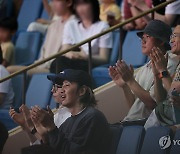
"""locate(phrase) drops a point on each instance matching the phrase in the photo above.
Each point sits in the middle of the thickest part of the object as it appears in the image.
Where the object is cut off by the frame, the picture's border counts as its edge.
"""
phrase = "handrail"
(86, 41)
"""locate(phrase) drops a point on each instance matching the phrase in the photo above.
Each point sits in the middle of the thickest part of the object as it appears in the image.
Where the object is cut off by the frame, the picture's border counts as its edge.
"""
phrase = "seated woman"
(167, 88)
(88, 24)
(87, 130)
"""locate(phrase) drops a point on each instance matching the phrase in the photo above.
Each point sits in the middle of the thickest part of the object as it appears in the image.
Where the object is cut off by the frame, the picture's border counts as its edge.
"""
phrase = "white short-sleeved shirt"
(6, 88)
(74, 32)
(145, 78)
(61, 116)
(173, 8)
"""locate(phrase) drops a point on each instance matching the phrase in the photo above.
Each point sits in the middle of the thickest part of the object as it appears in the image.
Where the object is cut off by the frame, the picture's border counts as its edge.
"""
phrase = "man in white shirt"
(139, 91)
(6, 89)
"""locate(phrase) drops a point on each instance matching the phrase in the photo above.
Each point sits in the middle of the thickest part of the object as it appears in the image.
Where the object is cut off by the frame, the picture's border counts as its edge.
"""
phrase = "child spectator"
(110, 12)
(6, 90)
(8, 27)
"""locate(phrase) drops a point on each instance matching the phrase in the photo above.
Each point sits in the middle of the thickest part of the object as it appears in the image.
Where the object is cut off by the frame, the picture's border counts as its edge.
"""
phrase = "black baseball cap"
(78, 76)
(159, 30)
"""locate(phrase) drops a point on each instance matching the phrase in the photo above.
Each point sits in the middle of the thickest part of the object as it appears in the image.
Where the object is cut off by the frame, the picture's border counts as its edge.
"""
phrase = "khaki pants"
(15, 68)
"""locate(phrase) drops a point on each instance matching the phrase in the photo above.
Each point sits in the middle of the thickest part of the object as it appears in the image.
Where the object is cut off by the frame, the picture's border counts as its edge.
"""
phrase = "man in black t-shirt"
(87, 130)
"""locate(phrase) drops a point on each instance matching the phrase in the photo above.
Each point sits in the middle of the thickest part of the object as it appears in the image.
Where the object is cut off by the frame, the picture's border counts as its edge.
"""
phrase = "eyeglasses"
(55, 87)
(174, 35)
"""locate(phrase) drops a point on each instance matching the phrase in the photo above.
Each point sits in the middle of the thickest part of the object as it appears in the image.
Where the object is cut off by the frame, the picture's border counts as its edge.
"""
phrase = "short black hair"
(3, 135)
(95, 8)
(9, 23)
(1, 56)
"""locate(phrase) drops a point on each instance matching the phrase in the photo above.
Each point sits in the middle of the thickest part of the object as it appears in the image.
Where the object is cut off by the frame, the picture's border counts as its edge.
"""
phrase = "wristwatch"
(163, 74)
(33, 131)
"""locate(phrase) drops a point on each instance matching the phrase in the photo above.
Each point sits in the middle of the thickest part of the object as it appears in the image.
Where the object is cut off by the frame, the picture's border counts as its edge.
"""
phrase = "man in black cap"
(139, 91)
(87, 130)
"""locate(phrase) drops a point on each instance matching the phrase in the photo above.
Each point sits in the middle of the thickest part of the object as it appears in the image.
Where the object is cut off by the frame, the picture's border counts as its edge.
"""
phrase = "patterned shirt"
(177, 75)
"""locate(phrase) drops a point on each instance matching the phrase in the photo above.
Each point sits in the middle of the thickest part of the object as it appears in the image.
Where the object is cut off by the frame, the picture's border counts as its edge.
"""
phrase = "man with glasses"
(167, 87)
(139, 89)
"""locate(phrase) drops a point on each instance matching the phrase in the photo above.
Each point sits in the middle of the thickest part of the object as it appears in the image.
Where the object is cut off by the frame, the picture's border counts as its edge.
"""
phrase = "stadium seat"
(29, 12)
(39, 91)
(27, 47)
(17, 83)
(131, 140)
(175, 148)
(100, 74)
(52, 103)
(6, 119)
(116, 131)
(44, 14)
(132, 51)
(152, 139)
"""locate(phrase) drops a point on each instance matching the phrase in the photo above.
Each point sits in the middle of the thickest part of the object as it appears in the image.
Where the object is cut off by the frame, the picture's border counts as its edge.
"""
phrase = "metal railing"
(118, 26)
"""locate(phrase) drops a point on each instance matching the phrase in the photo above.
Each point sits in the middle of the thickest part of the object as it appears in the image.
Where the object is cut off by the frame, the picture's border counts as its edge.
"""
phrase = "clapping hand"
(159, 61)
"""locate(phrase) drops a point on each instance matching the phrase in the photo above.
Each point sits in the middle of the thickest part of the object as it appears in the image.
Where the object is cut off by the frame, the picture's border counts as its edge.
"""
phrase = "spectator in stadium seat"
(53, 40)
(23, 118)
(171, 16)
(87, 130)
(8, 27)
(167, 87)
(6, 89)
(41, 25)
(110, 12)
(75, 31)
(3, 135)
(139, 91)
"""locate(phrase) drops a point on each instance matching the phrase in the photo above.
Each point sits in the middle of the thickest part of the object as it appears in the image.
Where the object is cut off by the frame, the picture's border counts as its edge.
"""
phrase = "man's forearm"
(128, 95)
(142, 94)
(159, 91)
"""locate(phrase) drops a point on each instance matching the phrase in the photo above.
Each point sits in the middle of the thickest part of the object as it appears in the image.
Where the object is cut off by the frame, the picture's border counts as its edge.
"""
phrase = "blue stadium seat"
(116, 131)
(176, 148)
(27, 47)
(17, 83)
(39, 91)
(132, 51)
(52, 104)
(151, 140)
(6, 119)
(29, 12)
(45, 15)
(131, 140)
(100, 74)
